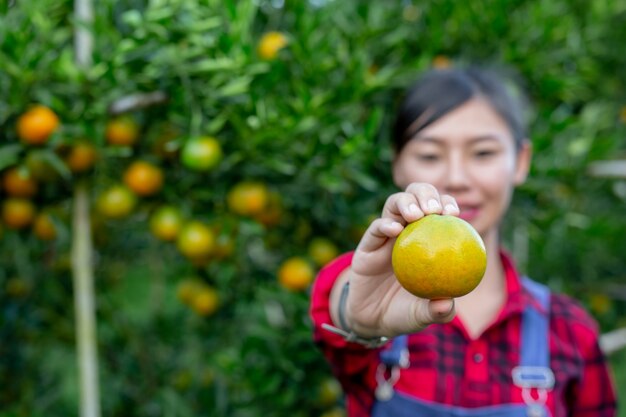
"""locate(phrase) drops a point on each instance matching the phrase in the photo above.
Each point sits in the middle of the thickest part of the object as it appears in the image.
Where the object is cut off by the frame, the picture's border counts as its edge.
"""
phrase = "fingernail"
(394, 224)
(413, 208)
(451, 207)
(433, 205)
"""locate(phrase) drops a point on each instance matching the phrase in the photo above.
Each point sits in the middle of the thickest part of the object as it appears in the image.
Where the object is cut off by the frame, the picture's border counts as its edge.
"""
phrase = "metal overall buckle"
(384, 385)
(537, 378)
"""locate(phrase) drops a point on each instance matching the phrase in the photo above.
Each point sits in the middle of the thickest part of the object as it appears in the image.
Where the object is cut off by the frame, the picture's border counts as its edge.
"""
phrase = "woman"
(508, 348)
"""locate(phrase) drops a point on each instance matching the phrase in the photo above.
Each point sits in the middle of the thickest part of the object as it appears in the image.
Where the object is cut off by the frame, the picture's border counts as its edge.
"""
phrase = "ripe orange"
(36, 125)
(201, 154)
(322, 251)
(295, 274)
(196, 240)
(144, 178)
(122, 131)
(270, 44)
(166, 222)
(17, 213)
(441, 62)
(18, 182)
(205, 301)
(248, 198)
(116, 202)
(273, 212)
(44, 228)
(81, 157)
(439, 257)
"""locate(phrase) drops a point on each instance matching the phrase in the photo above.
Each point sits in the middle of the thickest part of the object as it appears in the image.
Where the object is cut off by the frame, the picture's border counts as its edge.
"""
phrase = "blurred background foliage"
(295, 165)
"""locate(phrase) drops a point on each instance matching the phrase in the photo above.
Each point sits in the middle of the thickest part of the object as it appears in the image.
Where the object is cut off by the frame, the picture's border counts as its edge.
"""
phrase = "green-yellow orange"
(439, 257)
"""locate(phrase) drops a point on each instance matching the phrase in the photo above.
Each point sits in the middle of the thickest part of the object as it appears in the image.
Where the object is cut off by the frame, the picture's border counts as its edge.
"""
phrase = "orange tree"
(232, 147)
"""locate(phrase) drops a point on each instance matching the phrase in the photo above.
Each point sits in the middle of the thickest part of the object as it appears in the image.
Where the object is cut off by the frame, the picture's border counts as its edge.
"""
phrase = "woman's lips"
(469, 213)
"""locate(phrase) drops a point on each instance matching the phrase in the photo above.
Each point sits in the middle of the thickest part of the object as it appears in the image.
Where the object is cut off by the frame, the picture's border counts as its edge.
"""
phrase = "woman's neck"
(481, 306)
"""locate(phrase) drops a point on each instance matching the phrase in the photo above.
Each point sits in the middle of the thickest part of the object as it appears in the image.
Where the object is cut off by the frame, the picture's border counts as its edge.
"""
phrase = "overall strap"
(534, 368)
(535, 327)
(397, 354)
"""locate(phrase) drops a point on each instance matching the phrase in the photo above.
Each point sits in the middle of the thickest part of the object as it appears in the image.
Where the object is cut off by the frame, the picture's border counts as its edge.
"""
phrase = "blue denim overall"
(533, 375)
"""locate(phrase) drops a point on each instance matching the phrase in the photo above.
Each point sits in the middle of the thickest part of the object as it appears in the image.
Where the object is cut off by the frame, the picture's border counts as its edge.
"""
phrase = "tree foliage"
(311, 126)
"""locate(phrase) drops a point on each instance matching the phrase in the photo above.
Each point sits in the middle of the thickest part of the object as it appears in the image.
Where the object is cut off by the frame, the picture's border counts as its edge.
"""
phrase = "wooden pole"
(82, 248)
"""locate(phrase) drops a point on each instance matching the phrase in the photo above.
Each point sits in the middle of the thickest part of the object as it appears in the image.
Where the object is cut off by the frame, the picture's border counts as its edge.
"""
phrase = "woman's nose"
(457, 173)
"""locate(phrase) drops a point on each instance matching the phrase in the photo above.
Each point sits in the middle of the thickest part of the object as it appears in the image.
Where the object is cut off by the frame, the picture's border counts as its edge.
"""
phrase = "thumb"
(436, 311)
(441, 311)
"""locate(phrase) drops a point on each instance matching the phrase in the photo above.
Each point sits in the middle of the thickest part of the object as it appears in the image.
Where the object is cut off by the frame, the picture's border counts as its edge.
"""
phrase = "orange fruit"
(166, 222)
(116, 202)
(36, 125)
(17, 213)
(143, 178)
(201, 154)
(18, 182)
(334, 412)
(600, 304)
(439, 257)
(18, 287)
(205, 301)
(224, 246)
(322, 251)
(196, 240)
(273, 212)
(295, 274)
(248, 198)
(441, 62)
(187, 288)
(329, 392)
(38, 164)
(44, 228)
(270, 44)
(122, 131)
(81, 157)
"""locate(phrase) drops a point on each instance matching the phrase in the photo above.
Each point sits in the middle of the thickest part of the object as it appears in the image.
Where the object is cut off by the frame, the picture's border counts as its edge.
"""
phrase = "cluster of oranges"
(197, 240)
(19, 183)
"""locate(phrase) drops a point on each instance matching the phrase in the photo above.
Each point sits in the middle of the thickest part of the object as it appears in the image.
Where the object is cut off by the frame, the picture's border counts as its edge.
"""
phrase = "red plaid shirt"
(448, 367)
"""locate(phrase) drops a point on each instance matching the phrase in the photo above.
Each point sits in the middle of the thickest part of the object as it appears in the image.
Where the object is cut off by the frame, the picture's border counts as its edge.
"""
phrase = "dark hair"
(440, 91)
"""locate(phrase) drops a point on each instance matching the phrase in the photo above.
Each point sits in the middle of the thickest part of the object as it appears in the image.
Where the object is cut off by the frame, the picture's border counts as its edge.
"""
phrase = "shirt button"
(478, 358)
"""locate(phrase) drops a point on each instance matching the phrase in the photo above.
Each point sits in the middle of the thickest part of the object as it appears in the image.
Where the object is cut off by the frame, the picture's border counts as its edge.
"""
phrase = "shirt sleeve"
(594, 395)
(334, 347)
(352, 364)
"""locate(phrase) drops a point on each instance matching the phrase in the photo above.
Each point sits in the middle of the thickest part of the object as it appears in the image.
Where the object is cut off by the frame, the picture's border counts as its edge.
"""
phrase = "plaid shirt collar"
(518, 297)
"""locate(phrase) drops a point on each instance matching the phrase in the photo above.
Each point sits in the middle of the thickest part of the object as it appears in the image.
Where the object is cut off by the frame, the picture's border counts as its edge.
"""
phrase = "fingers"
(434, 311)
(417, 201)
(427, 197)
(441, 311)
(378, 233)
(450, 206)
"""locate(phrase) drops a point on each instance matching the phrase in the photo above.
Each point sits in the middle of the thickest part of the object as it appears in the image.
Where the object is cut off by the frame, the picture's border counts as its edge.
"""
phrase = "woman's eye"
(428, 157)
(484, 153)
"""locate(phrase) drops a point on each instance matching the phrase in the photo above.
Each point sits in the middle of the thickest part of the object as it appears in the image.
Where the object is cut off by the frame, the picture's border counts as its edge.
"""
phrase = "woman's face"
(469, 154)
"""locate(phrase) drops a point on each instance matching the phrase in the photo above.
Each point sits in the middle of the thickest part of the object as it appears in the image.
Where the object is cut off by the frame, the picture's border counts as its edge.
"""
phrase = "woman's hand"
(377, 304)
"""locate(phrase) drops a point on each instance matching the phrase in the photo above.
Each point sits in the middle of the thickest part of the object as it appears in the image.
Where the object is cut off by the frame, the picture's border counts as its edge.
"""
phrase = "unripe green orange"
(439, 257)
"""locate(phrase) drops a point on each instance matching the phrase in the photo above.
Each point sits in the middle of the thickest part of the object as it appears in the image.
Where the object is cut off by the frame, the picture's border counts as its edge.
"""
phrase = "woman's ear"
(523, 159)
